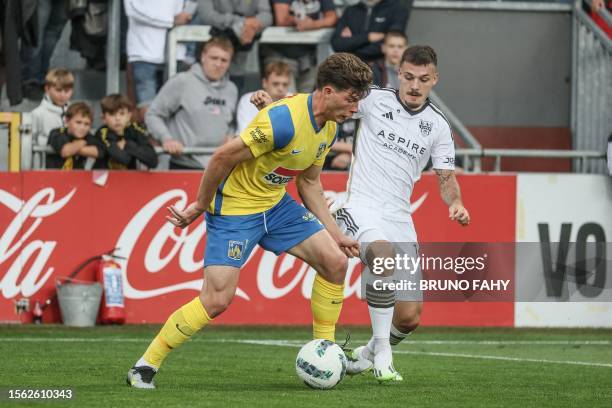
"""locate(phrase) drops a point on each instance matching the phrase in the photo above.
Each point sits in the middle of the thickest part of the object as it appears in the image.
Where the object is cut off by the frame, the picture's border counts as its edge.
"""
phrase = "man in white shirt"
(398, 131)
(148, 24)
(275, 81)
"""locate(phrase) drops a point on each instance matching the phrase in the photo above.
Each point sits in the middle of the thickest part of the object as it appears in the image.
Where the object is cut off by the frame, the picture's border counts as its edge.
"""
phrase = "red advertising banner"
(52, 221)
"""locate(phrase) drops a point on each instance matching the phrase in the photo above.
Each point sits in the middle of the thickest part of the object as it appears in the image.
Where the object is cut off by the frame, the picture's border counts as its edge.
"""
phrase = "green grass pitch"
(254, 367)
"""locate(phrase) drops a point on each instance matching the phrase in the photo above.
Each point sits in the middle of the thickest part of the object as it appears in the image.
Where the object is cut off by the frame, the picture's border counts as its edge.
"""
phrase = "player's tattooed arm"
(311, 192)
(451, 194)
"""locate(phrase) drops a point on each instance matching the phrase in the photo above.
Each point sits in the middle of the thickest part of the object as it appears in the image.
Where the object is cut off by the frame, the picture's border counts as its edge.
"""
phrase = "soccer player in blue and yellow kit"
(243, 195)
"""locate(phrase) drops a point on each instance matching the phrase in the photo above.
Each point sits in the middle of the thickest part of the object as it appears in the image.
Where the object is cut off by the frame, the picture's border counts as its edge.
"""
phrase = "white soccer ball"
(321, 364)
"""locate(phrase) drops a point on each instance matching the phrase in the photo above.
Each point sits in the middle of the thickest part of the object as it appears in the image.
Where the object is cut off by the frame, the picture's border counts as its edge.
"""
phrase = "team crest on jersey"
(235, 249)
(426, 127)
(322, 147)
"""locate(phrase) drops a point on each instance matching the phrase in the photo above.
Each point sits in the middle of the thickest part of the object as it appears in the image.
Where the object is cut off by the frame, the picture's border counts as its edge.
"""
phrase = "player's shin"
(397, 336)
(326, 303)
(179, 327)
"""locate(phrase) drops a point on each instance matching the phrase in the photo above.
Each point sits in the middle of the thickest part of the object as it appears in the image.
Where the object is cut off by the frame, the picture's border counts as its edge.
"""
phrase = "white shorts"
(366, 226)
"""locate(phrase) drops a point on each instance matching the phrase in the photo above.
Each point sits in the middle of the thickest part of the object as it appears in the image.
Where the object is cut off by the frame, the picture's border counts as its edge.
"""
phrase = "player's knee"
(216, 303)
(336, 267)
(408, 322)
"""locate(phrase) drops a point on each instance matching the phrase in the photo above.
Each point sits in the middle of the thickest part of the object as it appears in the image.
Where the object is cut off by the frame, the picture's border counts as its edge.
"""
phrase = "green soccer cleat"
(387, 375)
(141, 377)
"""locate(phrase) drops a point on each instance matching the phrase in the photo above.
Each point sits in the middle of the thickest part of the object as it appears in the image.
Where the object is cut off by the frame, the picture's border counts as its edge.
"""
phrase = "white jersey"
(392, 147)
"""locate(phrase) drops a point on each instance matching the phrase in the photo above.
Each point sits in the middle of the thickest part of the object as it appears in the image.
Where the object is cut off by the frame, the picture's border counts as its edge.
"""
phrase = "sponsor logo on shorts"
(235, 249)
(309, 216)
(280, 176)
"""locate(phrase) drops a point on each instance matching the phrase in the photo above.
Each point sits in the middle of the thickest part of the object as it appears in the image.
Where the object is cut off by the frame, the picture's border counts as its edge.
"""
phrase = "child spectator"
(275, 82)
(385, 69)
(74, 145)
(125, 142)
(49, 114)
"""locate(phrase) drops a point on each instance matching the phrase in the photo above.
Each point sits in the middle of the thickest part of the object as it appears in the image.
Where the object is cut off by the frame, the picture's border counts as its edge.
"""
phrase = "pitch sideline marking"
(297, 343)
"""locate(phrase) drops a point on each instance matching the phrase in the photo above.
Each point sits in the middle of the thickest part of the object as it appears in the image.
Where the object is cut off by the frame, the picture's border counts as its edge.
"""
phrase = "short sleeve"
(272, 129)
(443, 149)
(320, 160)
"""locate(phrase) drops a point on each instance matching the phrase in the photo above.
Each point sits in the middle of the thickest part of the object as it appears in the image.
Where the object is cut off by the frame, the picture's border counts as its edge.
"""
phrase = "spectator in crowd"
(196, 108)
(148, 23)
(49, 114)
(385, 69)
(242, 21)
(51, 19)
(126, 142)
(74, 145)
(275, 82)
(362, 27)
(304, 15)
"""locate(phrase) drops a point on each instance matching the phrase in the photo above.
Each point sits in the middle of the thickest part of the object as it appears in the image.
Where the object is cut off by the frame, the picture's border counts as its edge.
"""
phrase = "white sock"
(143, 362)
(381, 318)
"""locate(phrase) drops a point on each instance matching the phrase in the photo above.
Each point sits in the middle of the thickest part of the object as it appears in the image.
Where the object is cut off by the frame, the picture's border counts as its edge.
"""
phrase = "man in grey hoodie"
(196, 108)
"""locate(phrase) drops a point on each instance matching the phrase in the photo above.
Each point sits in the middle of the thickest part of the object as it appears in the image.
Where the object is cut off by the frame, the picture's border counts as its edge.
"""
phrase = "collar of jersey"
(311, 114)
(411, 112)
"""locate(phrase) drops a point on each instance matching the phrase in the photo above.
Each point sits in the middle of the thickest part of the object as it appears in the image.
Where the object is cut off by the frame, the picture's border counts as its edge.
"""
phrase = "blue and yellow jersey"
(285, 140)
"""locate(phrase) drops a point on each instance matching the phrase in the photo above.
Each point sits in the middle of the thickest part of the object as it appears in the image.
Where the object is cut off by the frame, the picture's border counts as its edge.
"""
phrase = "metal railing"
(462, 131)
(271, 35)
(591, 85)
(471, 157)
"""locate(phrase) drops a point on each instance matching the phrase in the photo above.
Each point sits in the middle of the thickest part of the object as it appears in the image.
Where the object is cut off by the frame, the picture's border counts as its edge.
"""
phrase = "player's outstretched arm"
(451, 194)
(311, 191)
(219, 167)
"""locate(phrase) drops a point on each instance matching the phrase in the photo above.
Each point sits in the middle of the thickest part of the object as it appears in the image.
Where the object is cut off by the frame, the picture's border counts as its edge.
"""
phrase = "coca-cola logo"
(17, 237)
(149, 247)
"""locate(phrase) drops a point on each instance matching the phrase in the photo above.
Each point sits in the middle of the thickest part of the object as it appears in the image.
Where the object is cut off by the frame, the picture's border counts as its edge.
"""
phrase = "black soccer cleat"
(141, 377)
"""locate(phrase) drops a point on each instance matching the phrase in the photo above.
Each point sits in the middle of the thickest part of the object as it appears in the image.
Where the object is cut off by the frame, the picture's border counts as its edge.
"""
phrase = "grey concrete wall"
(500, 68)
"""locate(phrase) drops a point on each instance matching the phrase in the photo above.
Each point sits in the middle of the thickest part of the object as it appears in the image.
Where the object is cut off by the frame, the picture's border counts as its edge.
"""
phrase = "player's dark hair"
(79, 108)
(344, 72)
(420, 55)
(114, 102)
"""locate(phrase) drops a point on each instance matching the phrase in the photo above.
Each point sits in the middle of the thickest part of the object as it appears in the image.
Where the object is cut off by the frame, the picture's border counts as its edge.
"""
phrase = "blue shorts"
(231, 238)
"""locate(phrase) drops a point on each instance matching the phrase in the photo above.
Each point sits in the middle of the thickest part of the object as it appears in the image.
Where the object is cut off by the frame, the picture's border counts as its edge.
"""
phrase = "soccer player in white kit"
(398, 131)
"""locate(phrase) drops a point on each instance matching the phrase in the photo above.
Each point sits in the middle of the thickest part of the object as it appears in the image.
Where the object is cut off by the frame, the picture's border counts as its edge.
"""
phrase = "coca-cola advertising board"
(52, 221)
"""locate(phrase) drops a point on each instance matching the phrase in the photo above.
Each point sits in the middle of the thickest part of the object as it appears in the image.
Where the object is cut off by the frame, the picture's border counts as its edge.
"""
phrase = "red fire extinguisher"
(112, 309)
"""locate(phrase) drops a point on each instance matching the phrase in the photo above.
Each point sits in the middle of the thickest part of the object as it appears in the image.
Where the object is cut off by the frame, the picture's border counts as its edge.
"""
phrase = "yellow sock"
(179, 327)
(326, 304)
